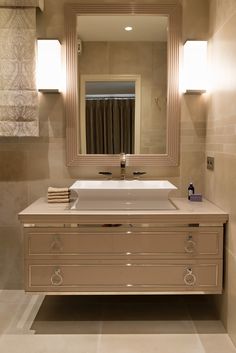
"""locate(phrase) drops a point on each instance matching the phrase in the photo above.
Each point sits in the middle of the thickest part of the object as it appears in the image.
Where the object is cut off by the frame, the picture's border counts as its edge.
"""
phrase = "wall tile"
(14, 198)
(221, 142)
(13, 165)
(11, 257)
(220, 12)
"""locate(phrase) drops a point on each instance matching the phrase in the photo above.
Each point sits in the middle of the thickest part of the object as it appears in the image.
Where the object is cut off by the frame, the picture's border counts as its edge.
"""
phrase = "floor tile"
(150, 343)
(68, 315)
(217, 343)
(32, 323)
(49, 343)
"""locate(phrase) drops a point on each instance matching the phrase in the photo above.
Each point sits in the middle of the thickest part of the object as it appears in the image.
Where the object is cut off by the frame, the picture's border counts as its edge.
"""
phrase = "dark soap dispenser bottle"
(190, 190)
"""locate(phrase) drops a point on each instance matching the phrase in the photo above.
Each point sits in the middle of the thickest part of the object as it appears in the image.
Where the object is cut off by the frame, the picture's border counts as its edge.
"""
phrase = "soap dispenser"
(190, 190)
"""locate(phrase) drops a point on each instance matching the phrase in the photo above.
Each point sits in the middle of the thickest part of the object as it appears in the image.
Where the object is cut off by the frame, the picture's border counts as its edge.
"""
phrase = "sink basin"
(122, 194)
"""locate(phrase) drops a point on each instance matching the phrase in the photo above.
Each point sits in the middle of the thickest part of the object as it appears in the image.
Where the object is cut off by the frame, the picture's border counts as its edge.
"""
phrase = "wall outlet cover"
(210, 163)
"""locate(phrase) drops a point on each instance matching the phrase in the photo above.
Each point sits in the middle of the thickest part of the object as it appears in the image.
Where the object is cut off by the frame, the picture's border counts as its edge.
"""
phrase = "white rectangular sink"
(122, 194)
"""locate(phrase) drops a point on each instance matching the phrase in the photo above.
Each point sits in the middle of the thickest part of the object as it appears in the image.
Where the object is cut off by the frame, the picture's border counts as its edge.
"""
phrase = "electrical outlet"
(210, 163)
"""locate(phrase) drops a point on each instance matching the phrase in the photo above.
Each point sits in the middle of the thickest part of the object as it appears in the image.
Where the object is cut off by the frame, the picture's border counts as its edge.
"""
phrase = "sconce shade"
(195, 66)
(49, 65)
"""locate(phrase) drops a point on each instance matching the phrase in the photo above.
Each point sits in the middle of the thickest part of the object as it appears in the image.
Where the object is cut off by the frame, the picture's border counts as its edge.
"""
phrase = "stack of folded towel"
(57, 195)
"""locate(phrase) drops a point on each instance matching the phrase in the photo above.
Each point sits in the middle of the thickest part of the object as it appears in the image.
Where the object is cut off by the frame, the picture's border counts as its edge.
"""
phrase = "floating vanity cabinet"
(86, 252)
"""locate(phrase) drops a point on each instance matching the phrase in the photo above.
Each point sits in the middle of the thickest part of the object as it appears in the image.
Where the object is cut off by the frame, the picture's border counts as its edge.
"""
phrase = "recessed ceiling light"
(128, 28)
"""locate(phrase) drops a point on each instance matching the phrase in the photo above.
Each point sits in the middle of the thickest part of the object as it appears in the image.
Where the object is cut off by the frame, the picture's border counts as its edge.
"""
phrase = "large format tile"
(195, 19)
(11, 258)
(102, 324)
(14, 198)
(49, 343)
(13, 165)
(146, 315)
(220, 12)
(151, 343)
(51, 115)
(215, 343)
(68, 315)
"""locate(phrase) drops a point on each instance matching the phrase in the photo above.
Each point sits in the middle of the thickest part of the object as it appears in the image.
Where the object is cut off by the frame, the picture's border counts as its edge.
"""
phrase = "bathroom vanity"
(178, 251)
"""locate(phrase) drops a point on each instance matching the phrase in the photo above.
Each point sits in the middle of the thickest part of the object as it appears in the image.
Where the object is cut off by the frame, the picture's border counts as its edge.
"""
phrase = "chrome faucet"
(122, 165)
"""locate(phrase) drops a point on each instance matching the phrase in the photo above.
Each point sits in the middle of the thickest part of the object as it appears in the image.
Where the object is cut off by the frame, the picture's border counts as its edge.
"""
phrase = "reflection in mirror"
(153, 55)
(111, 117)
(110, 114)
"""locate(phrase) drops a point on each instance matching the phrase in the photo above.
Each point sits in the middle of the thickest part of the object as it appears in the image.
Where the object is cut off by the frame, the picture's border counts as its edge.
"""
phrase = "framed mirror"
(122, 93)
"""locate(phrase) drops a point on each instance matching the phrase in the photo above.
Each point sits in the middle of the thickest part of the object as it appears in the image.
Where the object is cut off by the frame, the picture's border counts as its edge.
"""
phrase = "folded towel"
(52, 189)
(58, 200)
(58, 194)
(55, 197)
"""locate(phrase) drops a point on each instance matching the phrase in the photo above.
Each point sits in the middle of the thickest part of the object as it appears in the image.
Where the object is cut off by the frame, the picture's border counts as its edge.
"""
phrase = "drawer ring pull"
(190, 246)
(56, 278)
(190, 279)
(56, 244)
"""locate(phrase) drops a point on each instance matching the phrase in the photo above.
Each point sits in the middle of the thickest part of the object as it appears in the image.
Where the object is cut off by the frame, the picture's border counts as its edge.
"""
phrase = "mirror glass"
(122, 81)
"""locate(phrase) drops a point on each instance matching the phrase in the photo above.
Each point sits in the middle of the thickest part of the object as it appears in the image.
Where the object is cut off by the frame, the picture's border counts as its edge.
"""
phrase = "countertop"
(188, 212)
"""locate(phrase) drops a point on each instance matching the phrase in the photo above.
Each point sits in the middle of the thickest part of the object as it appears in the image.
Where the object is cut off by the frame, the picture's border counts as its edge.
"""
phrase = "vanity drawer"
(188, 242)
(161, 276)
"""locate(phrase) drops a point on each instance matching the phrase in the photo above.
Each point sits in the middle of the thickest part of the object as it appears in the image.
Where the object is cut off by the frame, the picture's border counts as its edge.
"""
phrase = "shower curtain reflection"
(110, 125)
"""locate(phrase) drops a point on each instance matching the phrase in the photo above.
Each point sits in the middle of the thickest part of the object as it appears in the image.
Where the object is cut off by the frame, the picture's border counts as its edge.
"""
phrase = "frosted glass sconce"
(49, 65)
(195, 66)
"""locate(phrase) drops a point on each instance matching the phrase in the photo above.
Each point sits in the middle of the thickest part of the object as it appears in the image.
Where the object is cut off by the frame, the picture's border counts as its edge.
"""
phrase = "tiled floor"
(109, 324)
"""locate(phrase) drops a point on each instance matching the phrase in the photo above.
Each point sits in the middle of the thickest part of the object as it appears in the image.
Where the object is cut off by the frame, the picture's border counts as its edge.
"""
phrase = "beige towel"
(56, 194)
(58, 197)
(52, 189)
(58, 200)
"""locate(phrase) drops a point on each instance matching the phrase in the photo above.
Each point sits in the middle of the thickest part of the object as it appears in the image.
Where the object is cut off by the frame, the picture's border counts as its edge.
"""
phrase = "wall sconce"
(49, 65)
(195, 66)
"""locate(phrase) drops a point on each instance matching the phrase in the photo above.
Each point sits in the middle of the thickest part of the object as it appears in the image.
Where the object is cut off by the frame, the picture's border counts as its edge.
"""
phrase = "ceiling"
(111, 28)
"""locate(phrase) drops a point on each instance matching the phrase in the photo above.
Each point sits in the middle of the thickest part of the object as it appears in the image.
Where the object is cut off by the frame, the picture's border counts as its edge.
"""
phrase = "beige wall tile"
(13, 165)
(51, 115)
(195, 19)
(11, 257)
(220, 12)
(221, 141)
(191, 170)
(94, 58)
(231, 291)
(14, 197)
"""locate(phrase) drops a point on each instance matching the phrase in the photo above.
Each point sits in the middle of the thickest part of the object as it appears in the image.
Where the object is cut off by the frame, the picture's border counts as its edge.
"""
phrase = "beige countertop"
(186, 212)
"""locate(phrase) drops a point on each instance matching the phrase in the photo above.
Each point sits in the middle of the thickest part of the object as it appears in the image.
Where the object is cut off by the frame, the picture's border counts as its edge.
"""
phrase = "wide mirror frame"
(171, 157)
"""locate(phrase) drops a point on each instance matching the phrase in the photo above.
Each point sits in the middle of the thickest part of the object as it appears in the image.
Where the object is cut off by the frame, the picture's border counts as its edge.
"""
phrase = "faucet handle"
(138, 173)
(108, 174)
(122, 160)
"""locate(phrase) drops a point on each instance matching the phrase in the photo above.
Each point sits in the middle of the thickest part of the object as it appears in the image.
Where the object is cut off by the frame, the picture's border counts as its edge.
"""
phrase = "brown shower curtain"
(110, 125)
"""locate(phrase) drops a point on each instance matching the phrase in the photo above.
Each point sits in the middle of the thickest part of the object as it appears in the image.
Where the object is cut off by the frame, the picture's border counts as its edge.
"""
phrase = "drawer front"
(206, 242)
(175, 276)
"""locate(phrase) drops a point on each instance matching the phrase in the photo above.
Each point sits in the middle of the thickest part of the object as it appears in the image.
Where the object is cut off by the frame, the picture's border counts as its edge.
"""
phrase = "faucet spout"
(122, 165)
